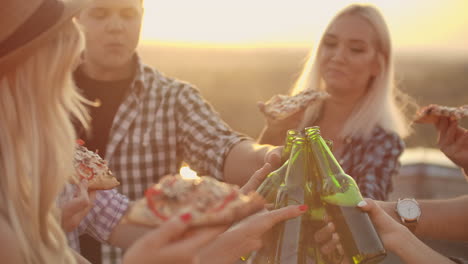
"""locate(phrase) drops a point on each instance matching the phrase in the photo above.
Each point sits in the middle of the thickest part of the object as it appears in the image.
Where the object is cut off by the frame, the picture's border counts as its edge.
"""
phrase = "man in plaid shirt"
(146, 124)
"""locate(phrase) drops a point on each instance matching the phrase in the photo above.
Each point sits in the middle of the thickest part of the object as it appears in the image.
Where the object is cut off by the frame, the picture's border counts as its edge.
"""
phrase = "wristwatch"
(409, 212)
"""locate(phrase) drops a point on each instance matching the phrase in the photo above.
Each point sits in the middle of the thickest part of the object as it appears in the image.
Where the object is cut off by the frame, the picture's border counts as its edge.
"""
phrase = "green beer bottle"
(316, 212)
(291, 241)
(340, 195)
(269, 187)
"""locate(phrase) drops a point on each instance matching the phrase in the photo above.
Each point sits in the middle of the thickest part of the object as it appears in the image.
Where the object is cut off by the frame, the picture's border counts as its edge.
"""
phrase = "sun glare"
(188, 173)
(221, 22)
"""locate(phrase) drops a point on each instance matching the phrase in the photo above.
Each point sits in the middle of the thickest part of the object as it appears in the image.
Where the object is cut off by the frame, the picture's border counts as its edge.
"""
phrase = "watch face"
(408, 209)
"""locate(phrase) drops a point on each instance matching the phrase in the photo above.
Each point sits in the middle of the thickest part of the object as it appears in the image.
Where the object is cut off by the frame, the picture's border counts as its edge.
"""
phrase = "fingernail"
(186, 217)
(362, 203)
(303, 207)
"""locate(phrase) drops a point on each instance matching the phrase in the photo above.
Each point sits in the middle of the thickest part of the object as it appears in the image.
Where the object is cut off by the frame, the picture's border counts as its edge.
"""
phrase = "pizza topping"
(92, 167)
(174, 195)
(85, 172)
(152, 204)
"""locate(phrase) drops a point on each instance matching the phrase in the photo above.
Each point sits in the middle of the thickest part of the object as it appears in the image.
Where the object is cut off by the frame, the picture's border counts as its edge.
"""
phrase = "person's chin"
(117, 61)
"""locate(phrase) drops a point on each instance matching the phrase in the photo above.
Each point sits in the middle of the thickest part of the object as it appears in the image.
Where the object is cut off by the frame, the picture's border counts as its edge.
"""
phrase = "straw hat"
(26, 24)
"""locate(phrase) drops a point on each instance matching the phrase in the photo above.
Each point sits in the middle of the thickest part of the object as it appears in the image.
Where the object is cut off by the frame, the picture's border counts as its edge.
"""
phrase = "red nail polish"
(186, 217)
(303, 207)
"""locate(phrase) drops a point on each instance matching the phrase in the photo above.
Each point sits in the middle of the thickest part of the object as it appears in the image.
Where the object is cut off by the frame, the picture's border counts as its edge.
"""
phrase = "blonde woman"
(354, 64)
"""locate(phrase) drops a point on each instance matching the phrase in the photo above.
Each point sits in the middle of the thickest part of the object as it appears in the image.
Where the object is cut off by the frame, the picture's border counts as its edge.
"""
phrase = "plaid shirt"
(373, 161)
(161, 123)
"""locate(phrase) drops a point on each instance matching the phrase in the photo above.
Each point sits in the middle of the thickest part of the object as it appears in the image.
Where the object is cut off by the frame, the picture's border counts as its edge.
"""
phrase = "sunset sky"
(415, 24)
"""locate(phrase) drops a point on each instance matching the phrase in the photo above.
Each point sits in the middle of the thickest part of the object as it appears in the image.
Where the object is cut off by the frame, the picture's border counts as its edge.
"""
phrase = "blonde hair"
(378, 107)
(37, 101)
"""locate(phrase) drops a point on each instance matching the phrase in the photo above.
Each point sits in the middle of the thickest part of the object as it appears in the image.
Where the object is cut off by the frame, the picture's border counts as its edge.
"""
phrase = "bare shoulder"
(9, 251)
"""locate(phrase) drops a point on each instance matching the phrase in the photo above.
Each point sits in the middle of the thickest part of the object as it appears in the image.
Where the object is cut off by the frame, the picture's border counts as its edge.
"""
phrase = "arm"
(380, 163)
(246, 157)
(210, 146)
(440, 219)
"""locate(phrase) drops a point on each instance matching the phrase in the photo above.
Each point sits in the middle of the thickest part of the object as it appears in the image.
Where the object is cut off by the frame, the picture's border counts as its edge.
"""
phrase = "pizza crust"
(430, 114)
(280, 106)
(92, 167)
(203, 198)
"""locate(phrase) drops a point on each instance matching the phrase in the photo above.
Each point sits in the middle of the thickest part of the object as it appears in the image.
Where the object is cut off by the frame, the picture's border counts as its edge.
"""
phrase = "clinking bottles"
(286, 243)
(269, 188)
(316, 213)
(340, 195)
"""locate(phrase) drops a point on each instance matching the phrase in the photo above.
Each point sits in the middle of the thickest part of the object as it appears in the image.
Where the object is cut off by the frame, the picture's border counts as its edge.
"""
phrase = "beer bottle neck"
(336, 187)
(327, 162)
(288, 142)
(297, 164)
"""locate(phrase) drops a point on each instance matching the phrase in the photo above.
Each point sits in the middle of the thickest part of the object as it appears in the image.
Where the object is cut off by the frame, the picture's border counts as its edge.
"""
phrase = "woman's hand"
(74, 210)
(385, 221)
(247, 235)
(390, 231)
(171, 243)
(284, 124)
(453, 141)
(274, 131)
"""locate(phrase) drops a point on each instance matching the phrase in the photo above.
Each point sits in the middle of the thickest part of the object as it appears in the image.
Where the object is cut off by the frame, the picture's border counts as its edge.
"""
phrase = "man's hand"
(453, 141)
(257, 178)
(273, 156)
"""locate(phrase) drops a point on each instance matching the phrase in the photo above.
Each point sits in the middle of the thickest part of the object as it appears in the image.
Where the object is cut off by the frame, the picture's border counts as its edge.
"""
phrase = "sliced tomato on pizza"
(91, 167)
(174, 195)
(283, 106)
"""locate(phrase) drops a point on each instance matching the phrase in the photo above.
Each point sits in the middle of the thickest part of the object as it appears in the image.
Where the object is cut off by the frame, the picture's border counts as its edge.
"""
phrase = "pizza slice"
(280, 106)
(203, 197)
(92, 167)
(431, 113)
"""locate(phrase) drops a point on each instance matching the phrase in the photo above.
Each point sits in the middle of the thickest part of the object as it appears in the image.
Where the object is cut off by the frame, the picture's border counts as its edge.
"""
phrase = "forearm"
(444, 219)
(411, 250)
(271, 136)
(243, 160)
(440, 219)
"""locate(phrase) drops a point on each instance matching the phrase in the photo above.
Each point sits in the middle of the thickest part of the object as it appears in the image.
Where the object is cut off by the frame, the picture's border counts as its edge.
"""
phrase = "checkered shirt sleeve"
(205, 138)
(108, 209)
